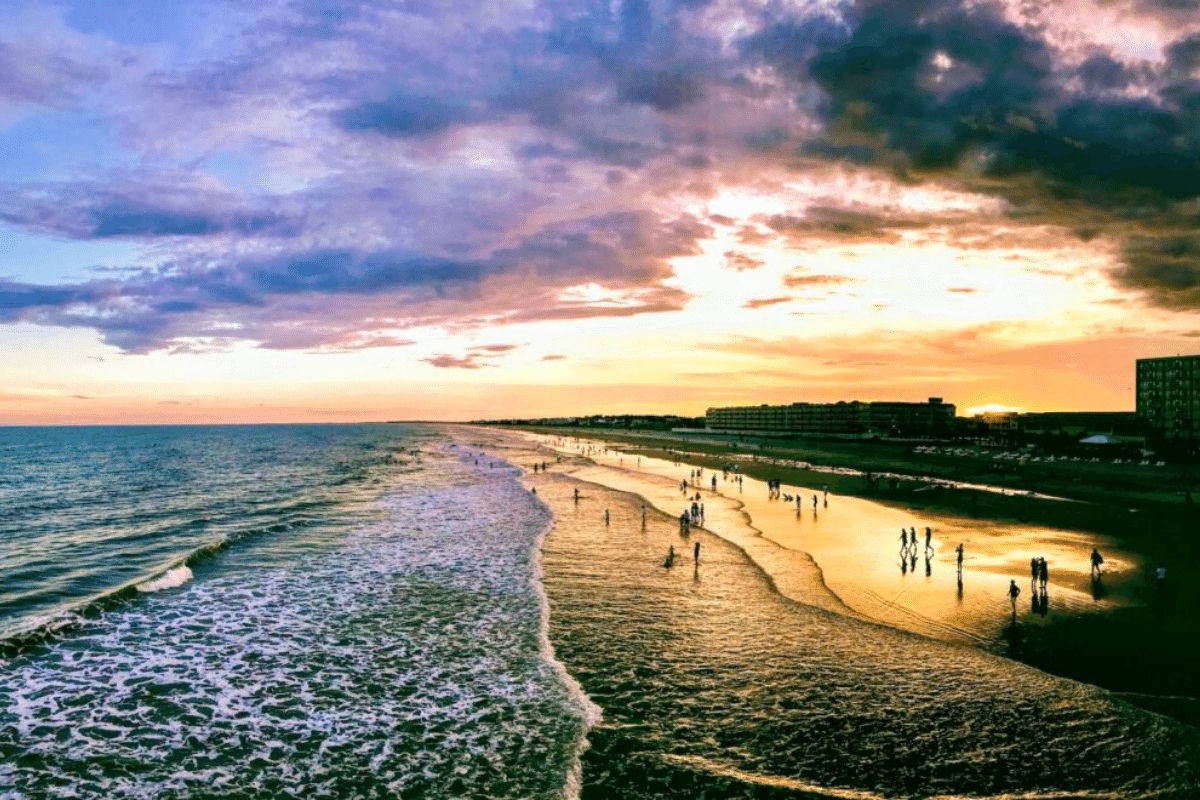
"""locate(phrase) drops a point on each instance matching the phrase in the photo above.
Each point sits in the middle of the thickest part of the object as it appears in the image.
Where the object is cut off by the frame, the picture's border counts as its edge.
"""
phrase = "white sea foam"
(177, 576)
(409, 654)
(592, 713)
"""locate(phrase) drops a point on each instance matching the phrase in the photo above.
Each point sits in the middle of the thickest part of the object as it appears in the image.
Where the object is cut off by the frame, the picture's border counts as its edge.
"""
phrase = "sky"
(308, 210)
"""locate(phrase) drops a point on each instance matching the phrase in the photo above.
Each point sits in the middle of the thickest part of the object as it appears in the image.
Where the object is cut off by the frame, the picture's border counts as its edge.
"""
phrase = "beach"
(1122, 631)
(424, 611)
(744, 674)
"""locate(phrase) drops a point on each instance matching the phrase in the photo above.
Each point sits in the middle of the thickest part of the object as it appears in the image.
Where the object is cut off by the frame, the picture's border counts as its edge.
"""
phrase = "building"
(1168, 396)
(840, 417)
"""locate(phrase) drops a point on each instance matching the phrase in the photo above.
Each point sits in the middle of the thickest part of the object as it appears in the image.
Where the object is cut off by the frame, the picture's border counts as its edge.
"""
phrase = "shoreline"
(1140, 649)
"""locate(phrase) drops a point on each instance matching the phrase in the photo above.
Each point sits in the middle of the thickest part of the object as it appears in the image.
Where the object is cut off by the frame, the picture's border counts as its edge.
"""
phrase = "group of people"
(908, 541)
(689, 517)
(1039, 572)
(669, 561)
(775, 492)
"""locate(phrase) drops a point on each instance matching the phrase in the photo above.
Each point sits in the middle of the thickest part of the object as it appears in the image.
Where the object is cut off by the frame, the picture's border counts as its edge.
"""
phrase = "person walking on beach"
(1043, 574)
(669, 561)
(643, 515)
(696, 551)
(1033, 570)
(960, 557)
(1014, 592)
(714, 483)
(576, 495)
(606, 516)
(1097, 560)
(928, 539)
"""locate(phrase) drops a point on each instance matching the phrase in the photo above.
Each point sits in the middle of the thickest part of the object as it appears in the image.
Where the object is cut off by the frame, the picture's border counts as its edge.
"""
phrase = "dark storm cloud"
(1167, 268)
(940, 87)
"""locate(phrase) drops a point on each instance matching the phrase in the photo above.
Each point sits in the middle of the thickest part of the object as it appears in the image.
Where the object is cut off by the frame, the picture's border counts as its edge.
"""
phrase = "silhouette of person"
(1043, 574)
(960, 558)
(606, 516)
(928, 538)
(1014, 592)
(696, 551)
(1097, 560)
(670, 559)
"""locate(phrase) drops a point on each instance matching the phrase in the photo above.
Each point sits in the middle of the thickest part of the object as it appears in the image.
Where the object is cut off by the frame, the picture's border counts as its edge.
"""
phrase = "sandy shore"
(1116, 633)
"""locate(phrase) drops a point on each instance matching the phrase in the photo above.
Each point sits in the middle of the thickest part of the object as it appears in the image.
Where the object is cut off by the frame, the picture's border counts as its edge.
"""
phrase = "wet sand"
(743, 675)
(1095, 631)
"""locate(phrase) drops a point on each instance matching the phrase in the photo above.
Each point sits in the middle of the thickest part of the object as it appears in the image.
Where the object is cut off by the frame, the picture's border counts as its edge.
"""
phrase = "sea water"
(392, 611)
(275, 611)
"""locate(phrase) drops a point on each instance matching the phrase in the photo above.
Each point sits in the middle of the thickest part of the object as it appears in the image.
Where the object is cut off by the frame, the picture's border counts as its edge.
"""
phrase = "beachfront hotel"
(840, 417)
(1168, 396)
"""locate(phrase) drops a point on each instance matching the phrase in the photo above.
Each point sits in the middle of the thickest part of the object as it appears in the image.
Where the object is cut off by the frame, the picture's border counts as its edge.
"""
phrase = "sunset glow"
(309, 211)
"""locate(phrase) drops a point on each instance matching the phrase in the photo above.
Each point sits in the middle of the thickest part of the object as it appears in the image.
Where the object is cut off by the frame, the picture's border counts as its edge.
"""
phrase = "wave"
(170, 579)
(176, 573)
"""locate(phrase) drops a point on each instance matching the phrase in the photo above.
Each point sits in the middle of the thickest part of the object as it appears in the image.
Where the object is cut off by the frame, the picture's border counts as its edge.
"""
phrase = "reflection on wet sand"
(852, 544)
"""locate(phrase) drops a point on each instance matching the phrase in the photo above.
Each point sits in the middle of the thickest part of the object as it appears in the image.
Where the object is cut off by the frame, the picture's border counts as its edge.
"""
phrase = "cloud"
(794, 281)
(962, 290)
(938, 89)
(142, 207)
(740, 261)
(765, 301)
(553, 357)
(1166, 268)
(328, 176)
(404, 115)
(456, 362)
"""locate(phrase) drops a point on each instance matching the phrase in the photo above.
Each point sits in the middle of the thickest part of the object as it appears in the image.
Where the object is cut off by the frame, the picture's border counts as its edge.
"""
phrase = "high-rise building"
(1168, 396)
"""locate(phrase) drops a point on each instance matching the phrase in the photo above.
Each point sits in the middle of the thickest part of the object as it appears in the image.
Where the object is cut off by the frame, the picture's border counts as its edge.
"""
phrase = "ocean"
(377, 611)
